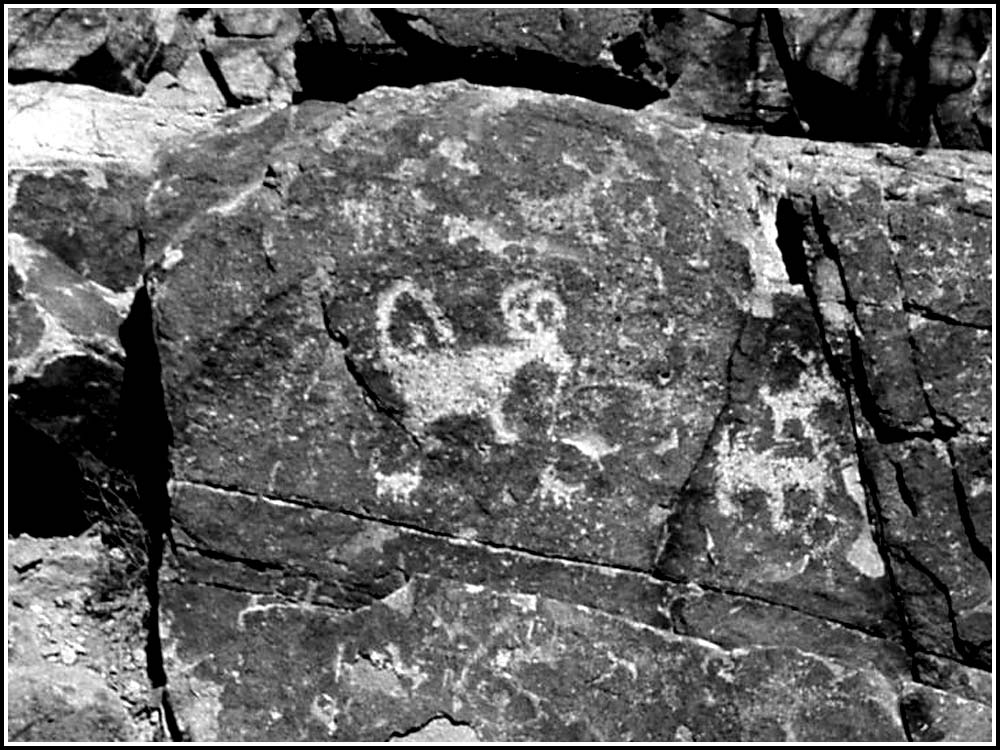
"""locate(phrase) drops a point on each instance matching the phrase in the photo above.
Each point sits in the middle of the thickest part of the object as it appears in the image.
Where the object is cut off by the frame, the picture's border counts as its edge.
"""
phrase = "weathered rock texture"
(847, 74)
(920, 77)
(465, 411)
(75, 658)
(80, 161)
(491, 356)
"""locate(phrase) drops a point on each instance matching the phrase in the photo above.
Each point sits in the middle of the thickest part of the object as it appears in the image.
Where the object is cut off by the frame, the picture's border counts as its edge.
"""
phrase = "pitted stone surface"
(536, 344)
(475, 413)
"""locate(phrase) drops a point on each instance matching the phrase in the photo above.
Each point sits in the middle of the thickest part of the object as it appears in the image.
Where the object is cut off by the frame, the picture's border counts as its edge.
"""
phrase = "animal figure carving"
(440, 380)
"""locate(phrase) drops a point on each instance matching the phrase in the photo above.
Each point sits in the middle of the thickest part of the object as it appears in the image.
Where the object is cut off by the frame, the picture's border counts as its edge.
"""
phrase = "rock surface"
(909, 76)
(75, 661)
(110, 48)
(465, 412)
(79, 163)
(921, 77)
(618, 56)
(512, 667)
(460, 336)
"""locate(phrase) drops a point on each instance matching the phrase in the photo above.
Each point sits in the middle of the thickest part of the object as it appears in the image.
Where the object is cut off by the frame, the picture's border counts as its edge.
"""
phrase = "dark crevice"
(379, 402)
(760, 599)
(912, 714)
(146, 438)
(212, 66)
(353, 592)
(496, 548)
(849, 383)
(42, 503)
(904, 490)
(728, 19)
(417, 529)
(925, 312)
(975, 210)
(877, 523)
(415, 58)
(19, 77)
(823, 108)
(436, 717)
(942, 430)
(858, 377)
(100, 69)
(685, 490)
(521, 69)
(259, 566)
(979, 548)
(791, 242)
(969, 653)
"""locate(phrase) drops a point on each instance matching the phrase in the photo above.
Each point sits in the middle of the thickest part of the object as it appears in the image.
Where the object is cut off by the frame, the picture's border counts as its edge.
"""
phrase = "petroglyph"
(437, 379)
(397, 485)
(779, 476)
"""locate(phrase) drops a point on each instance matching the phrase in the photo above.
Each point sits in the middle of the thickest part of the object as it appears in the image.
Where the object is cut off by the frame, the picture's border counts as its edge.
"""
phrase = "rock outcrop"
(921, 77)
(616, 364)
(573, 400)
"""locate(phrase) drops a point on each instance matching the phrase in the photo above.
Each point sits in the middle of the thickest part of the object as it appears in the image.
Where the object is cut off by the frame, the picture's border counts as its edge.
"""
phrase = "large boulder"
(461, 380)
(910, 335)
(80, 162)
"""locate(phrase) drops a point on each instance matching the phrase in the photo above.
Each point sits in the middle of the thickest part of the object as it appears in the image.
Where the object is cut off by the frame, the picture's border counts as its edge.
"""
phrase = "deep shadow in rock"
(44, 485)
(332, 71)
(146, 437)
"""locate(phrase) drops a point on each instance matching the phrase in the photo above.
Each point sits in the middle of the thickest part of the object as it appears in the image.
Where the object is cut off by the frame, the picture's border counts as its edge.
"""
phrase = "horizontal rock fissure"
(627, 438)
(494, 548)
(255, 564)
(278, 599)
(973, 211)
(758, 599)
(930, 314)
(413, 528)
(19, 77)
(950, 658)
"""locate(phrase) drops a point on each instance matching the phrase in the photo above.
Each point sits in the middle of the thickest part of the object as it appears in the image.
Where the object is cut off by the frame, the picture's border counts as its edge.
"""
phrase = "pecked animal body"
(447, 381)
